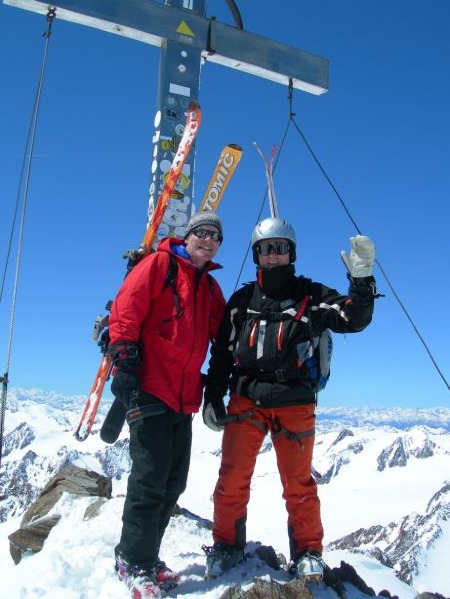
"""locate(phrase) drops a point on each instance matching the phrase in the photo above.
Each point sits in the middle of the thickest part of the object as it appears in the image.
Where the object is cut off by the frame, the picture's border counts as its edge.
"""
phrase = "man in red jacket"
(159, 340)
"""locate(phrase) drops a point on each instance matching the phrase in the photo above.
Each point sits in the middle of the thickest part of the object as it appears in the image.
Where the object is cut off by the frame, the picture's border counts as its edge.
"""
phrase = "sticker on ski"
(226, 165)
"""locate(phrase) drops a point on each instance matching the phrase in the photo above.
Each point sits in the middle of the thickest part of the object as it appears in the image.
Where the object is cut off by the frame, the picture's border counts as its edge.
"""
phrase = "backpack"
(268, 348)
(170, 280)
(101, 333)
(319, 351)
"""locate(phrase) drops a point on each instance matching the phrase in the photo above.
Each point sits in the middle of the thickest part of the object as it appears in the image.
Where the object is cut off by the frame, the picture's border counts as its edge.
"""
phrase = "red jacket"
(173, 348)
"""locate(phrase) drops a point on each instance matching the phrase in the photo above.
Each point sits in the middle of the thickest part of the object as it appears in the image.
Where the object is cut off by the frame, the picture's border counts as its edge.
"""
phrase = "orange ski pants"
(292, 431)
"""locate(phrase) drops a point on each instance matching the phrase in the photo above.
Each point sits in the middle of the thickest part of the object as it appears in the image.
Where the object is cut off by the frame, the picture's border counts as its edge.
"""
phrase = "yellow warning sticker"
(184, 28)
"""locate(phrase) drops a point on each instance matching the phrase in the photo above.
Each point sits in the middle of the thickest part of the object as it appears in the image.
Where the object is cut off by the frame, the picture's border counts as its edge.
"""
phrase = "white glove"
(211, 419)
(362, 257)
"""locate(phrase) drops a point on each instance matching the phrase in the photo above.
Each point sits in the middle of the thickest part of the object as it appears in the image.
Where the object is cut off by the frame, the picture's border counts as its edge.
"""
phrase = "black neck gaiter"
(272, 280)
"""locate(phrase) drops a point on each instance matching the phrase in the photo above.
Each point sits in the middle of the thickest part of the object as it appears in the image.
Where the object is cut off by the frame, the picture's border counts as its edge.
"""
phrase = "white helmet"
(273, 228)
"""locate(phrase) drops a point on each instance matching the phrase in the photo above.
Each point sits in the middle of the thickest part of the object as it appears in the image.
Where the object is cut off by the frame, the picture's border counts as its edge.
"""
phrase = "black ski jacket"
(326, 308)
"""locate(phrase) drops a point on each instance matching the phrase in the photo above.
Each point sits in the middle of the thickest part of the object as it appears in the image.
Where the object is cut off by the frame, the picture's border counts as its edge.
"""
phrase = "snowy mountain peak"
(384, 491)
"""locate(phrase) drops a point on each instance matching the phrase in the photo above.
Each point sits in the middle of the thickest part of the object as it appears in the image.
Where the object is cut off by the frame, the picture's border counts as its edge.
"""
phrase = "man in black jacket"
(267, 337)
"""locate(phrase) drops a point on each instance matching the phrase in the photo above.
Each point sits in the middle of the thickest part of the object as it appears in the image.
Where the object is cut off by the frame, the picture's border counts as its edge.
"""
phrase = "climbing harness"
(276, 428)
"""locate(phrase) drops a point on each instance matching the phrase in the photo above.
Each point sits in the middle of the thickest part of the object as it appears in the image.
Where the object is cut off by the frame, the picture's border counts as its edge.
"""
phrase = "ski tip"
(235, 147)
(81, 436)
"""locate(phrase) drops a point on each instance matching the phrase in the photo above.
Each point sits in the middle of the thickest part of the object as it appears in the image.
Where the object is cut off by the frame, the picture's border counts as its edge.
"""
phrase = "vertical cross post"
(179, 80)
(187, 38)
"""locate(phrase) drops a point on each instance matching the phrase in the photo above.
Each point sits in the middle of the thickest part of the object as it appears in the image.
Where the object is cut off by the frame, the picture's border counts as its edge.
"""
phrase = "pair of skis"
(224, 170)
(268, 164)
(229, 159)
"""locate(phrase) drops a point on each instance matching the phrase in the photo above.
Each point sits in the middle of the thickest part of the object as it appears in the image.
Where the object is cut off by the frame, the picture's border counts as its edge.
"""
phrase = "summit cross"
(187, 39)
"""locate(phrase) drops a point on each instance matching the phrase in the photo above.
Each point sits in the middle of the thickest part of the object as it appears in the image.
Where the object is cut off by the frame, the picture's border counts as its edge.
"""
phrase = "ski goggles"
(264, 248)
(204, 233)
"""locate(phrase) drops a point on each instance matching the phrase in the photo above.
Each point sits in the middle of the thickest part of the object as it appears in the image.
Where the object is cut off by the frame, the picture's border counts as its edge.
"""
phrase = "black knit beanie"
(203, 218)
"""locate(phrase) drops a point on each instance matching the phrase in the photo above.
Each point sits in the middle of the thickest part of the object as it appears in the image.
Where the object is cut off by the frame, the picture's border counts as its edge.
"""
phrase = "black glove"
(126, 386)
(214, 412)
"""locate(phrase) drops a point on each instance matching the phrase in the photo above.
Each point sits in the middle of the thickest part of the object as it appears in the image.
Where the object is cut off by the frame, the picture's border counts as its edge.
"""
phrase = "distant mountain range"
(383, 475)
(400, 418)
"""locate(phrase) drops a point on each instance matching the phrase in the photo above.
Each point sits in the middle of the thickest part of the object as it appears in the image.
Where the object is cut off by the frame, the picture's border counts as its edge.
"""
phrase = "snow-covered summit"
(384, 488)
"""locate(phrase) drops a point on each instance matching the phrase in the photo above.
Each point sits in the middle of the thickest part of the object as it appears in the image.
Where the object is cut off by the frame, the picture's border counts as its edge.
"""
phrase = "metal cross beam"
(186, 38)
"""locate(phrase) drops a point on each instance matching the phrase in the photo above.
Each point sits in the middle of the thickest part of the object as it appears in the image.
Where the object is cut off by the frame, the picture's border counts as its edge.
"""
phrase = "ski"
(193, 121)
(225, 167)
(268, 164)
(190, 131)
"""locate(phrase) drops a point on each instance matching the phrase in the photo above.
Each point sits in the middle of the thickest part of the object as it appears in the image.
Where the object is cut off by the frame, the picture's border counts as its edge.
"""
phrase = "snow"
(77, 559)
(76, 562)
(434, 568)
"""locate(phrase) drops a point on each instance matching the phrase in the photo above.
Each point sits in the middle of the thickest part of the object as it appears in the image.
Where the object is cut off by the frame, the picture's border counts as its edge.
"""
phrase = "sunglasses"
(204, 233)
(264, 248)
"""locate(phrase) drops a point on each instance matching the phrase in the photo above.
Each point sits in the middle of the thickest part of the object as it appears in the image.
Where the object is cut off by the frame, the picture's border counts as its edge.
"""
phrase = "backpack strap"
(280, 375)
(170, 280)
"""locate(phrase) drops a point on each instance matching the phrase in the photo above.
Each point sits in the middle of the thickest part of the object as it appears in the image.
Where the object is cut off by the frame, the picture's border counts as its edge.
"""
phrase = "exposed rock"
(15, 480)
(93, 509)
(392, 456)
(115, 459)
(400, 544)
(70, 479)
(201, 522)
(296, 589)
(344, 433)
(20, 437)
(36, 525)
(331, 577)
(347, 573)
(267, 554)
(263, 589)
(340, 461)
(426, 450)
(30, 538)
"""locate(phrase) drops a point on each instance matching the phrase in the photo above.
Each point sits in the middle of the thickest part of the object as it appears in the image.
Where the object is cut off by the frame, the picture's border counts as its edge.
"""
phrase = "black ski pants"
(160, 449)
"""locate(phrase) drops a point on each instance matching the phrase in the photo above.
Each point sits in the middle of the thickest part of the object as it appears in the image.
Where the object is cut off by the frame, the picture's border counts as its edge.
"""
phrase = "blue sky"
(381, 133)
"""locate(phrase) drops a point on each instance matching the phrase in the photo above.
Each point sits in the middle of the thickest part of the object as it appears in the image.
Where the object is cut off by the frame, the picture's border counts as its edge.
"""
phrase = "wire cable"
(262, 204)
(383, 272)
(292, 122)
(28, 160)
